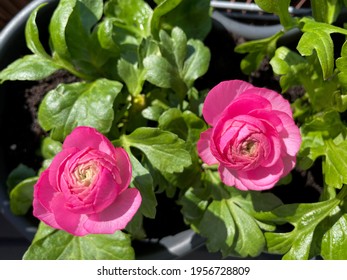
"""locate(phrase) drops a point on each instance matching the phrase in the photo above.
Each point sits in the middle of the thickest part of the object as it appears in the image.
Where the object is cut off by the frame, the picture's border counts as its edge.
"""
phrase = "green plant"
(317, 67)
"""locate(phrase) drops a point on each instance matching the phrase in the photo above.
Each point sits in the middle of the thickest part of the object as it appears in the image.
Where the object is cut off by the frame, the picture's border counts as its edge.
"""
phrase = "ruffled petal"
(262, 178)
(124, 168)
(43, 194)
(290, 134)
(43, 190)
(230, 178)
(117, 216)
(277, 101)
(67, 220)
(83, 137)
(220, 97)
(57, 166)
(204, 149)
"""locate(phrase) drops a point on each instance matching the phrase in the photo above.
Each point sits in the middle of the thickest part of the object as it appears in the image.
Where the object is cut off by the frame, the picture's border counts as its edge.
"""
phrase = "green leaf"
(334, 241)
(326, 10)
(324, 136)
(256, 51)
(131, 75)
(193, 208)
(152, 113)
(52, 244)
(227, 216)
(135, 227)
(106, 36)
(197, 62)
(297, 243)
(279, 8)
(50, 147)
(32, 34)
(164, 150)
(293, 68)
(17, 175)
(21, 196)
(57, 28)
(162, 74)
(78, 104)
(180, 64)
(341, 65)
(134, 15)
(174, 48)
(320, 42)
(192, 16)
(188, 127)
(335, 165)
(88, 58)
(328, 123)
(143, 181)
(316, 38)
(161, 10)
(29, 68)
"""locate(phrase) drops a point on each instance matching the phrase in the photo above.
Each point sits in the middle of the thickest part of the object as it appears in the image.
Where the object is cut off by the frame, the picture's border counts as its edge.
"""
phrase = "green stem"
(343, 193)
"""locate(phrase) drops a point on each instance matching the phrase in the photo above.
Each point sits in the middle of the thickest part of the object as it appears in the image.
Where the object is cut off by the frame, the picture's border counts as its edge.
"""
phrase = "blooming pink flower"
(252, 138)
(85, 189)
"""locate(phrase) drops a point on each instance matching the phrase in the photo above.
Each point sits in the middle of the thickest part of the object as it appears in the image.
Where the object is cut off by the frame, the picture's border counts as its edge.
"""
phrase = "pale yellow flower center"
(85, 173)
(248, 147)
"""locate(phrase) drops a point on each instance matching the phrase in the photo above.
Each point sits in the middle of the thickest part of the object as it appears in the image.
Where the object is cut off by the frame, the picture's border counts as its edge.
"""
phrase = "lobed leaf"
(326, 10)
(77, 104)
(334, 242)
(52, 244)
(256, 51)
(316, 38)
(227, 217)
(296, 244)
(279, 8)
(164, 150)
(134, 15)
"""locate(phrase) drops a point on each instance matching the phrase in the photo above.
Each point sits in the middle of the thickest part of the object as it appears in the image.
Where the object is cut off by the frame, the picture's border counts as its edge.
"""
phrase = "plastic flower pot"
(246, 19)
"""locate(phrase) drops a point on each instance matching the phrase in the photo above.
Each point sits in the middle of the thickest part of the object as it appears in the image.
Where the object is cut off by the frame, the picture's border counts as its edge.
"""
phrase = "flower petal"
(57, 165)
(83, 137)
(43, 194)
(290, 134)
(277, 101)
(204, 149)
(229, 178)
(117, 215)
(262, 178)
(220, 97)
(67, 220)
(124, 166)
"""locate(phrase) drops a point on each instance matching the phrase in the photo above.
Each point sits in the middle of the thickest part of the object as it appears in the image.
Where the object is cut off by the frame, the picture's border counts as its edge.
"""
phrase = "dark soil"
(35, 94)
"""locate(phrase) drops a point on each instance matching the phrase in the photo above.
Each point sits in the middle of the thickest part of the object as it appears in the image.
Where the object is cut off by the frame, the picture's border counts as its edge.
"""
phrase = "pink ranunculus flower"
(253, 137)
(85, 189)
